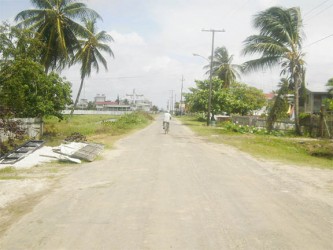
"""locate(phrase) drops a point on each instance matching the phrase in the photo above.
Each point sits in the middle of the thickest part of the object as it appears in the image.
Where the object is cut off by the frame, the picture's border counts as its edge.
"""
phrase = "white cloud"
(155, 40)
(129, 39)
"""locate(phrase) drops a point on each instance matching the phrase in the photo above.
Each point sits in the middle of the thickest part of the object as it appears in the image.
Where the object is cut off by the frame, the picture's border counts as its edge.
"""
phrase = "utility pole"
(210, 73)
(171, 101)
(181, 96)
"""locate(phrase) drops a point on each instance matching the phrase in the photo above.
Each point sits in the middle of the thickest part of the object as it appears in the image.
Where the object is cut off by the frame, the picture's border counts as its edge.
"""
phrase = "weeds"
(251, 130)
(280, 146)
(85, 127)
(7, 170)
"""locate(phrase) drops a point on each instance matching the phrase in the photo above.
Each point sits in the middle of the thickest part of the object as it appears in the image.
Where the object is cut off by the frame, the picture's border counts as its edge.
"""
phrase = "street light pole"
(181, 96)
(210, 73)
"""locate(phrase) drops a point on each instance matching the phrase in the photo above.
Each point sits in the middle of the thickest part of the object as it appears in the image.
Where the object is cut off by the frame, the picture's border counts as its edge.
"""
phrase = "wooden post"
(321, 121)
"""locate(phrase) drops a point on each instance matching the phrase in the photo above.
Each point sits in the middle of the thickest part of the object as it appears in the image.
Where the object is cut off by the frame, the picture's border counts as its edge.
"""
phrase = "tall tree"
(238, 99)
(329, 84)
(16, 43)
(36, 93)
(329, 101)
(279, 107)
(279, 42)
(223, 67)
(54, 22)
(28, 91)
(90, 53)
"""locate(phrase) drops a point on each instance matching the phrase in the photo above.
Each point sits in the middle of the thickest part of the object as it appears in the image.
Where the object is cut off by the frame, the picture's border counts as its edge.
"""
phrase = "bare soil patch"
(22, 189)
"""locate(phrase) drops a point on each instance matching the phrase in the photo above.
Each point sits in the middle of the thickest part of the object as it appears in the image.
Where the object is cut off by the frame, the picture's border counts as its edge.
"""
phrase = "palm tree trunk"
(296, 102)
(77, 97)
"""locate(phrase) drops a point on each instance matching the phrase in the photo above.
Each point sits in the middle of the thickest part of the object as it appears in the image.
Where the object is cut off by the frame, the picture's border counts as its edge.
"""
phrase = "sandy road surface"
(176, 191)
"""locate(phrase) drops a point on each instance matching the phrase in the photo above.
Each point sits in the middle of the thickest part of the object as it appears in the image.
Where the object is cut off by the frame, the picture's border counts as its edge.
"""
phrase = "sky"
(154, 43)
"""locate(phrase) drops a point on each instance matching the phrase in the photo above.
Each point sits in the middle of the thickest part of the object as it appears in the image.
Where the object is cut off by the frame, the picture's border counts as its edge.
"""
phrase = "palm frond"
(80, 10)
(42, 4)
(260, 63)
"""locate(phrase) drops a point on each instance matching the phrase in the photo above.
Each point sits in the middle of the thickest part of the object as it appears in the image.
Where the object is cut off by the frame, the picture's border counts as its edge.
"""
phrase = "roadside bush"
(230, 126)
(320, 148)
(11, 130)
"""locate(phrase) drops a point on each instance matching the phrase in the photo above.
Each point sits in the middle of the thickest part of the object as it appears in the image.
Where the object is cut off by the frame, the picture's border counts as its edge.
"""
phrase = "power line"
(325, 9)
(318, 41)
(321, 12)
(233, 12)
(151, 76)
(316, 7)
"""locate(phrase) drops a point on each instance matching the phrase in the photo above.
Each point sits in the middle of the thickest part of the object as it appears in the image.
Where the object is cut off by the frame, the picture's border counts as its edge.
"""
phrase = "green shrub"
(250, 129)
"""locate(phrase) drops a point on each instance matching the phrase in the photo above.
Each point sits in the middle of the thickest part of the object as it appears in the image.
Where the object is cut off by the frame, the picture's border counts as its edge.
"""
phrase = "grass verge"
(104, 129)
(291, 150)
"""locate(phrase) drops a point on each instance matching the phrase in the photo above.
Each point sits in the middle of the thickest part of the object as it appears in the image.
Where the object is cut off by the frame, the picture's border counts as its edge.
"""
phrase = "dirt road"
(177, 191)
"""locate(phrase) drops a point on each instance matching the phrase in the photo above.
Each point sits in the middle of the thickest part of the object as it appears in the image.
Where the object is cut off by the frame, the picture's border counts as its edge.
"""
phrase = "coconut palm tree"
(223, 67)
(279, 42)
(54, 22)
(90, 54)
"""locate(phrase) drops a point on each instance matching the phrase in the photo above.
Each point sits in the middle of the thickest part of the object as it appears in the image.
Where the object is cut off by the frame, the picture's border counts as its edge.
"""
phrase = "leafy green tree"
(223, 67)
(279, 106)
(91, 106)
(125, 102)
(18, 43)
(197, 99)
(56, 26)
(154, 108)
(237, 99)
(27, 91)
(329, 84)
(244, 99)
(90, 54)
(279, 42)
(329, 101)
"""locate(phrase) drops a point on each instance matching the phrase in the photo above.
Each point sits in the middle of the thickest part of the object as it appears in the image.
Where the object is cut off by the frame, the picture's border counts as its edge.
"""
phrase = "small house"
(314, 99)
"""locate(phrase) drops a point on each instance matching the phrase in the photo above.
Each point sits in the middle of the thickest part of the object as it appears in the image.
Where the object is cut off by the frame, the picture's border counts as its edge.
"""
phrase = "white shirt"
(167, 117)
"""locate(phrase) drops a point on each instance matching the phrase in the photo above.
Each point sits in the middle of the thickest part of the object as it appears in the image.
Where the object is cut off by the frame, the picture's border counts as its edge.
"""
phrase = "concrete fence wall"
(261, 123)
(96, 112)
(33, 128)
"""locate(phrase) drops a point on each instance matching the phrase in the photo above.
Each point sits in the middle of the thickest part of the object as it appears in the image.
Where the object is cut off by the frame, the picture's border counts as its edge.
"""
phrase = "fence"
(33, 127)
(259, 122)
(318, 125)
(97, 112)
(311, 125)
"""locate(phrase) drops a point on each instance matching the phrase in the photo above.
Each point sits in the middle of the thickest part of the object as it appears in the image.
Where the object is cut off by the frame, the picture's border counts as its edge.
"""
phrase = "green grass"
(9, 173)
(7, 170)
(287, 149)
(55, 131)
(97, 128)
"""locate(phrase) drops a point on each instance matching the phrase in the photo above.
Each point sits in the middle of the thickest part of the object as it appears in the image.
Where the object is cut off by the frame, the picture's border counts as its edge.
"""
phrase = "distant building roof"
(106, 103)
(317, 88)
(269, 96)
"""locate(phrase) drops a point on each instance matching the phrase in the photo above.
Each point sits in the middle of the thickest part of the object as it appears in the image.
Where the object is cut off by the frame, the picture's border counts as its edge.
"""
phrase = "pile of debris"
(33, 153)
(21, 152)
(77, 151)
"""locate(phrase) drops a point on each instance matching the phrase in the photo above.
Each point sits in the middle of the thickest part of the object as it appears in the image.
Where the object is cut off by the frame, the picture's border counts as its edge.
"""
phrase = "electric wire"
(320, 12)
(316, 7)
(324, 38)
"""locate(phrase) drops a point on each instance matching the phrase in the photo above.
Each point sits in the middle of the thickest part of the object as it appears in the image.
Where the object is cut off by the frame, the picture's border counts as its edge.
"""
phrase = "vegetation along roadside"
(282, 147)
(103, 129)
